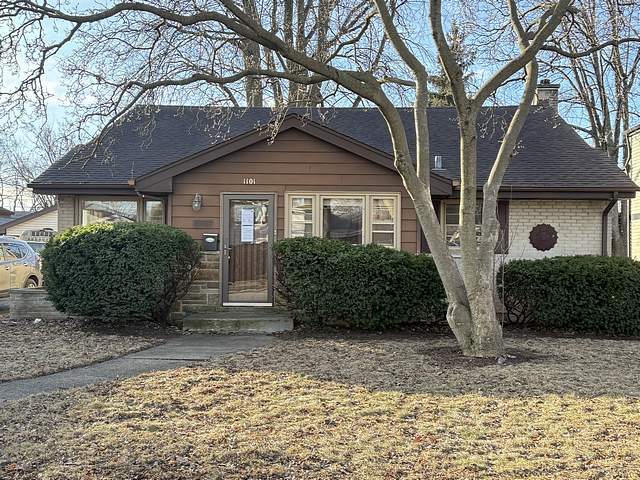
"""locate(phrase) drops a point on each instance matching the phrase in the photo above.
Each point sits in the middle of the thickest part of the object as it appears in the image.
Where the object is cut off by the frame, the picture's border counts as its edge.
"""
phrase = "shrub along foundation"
(582, 293)
(329, 282)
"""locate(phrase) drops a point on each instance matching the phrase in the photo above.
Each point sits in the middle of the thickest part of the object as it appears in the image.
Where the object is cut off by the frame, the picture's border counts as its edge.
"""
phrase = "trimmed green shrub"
(580, 293)
(119, 271)
(330, 282)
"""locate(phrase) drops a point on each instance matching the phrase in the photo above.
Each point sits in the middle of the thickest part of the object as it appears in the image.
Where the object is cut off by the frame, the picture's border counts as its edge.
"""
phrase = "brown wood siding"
(294, 162)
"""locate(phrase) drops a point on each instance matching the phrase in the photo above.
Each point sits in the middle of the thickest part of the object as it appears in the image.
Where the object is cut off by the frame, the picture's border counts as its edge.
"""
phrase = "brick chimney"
(547, 94)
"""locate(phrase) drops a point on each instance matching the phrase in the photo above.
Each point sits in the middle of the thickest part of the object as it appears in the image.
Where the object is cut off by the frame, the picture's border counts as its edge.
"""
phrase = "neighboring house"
(633, 168)
(330, 173)
(47, 218)
(7, 216)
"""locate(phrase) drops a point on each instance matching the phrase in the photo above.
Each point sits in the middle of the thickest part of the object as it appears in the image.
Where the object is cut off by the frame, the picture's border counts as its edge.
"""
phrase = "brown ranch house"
(221, 176)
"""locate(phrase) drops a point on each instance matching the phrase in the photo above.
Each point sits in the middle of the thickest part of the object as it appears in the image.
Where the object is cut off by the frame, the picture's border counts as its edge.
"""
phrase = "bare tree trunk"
(485, 338)
(471, 313)
(315, 91)
(276, 87)
(252, 85)
(274, 83)
(477, 263)
(252, 58)
(473, 318)
(296, 90)
(487, 334)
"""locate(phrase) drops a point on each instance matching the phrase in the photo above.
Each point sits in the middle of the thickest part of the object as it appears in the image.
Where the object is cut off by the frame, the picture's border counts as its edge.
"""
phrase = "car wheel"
(31, 283)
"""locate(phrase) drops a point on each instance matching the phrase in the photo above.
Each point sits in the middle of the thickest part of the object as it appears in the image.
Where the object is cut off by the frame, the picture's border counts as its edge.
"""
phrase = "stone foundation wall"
(204, 294)
(32, 303)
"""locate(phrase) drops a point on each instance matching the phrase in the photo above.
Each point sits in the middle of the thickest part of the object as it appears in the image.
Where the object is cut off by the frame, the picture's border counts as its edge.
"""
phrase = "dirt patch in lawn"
(29, 349)
(331, 407)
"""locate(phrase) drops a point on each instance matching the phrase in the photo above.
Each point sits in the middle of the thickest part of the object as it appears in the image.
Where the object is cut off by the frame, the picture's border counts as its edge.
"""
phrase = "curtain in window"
(342, 219)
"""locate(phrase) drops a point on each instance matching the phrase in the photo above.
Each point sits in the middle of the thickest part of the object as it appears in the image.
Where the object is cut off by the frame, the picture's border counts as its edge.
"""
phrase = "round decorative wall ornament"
(543, 237)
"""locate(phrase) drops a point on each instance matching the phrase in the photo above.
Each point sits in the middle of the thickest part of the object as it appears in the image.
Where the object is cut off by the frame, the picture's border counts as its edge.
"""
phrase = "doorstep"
(239, 320)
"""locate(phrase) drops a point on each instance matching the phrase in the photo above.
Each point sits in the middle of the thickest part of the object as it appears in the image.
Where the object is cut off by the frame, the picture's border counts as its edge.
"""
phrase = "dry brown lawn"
(362, 407)
(30, 349)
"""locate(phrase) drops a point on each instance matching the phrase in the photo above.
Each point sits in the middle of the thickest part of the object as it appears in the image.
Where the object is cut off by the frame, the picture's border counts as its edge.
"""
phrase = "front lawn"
(30, 349)
(364, 407)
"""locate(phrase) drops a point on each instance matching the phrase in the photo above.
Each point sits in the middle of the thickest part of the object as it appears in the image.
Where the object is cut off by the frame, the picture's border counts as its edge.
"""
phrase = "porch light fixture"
(196, 204)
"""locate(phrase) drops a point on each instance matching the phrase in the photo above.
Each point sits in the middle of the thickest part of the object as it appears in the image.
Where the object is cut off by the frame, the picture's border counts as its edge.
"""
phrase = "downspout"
(605, 223)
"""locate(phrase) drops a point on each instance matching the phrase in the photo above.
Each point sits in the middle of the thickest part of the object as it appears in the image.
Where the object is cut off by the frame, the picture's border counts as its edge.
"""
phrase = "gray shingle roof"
(550, 153)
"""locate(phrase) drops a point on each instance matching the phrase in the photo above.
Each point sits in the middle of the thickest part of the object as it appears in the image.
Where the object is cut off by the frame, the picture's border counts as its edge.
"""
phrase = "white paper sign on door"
(246, 225)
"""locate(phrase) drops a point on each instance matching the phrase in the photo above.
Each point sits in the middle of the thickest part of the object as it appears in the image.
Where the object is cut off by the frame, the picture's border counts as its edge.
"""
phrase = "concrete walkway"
(176, 352)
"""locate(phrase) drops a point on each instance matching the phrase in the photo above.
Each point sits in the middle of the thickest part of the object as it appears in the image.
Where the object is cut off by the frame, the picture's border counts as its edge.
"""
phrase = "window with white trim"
(452, 223)
(383, 221)
(343, 219)
(301, 216)
(354, 218)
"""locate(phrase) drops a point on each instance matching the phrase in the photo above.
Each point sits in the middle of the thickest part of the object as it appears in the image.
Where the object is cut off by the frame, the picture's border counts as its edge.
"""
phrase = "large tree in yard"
(349, 60)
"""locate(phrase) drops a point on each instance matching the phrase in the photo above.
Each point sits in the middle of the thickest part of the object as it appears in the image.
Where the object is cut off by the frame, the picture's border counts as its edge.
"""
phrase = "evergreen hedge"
(330, 282)
(119, 271)
(579, 293)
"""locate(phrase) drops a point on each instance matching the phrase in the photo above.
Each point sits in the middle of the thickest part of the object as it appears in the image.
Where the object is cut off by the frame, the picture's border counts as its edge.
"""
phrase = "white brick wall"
(578, 223)
(634, 172)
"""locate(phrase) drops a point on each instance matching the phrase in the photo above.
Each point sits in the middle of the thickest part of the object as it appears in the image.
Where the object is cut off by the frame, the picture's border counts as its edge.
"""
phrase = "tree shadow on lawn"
(357, 406)
(432, 363)
(295, 409)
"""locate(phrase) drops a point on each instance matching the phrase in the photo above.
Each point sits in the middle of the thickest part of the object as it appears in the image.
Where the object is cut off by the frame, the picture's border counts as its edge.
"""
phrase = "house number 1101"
(248, 181)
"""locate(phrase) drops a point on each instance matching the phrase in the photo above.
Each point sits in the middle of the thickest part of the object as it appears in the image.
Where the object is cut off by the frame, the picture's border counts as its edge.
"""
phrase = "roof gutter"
(605, 223)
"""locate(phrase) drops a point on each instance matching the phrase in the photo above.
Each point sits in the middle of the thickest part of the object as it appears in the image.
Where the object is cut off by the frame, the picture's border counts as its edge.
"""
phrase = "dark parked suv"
(19, 265)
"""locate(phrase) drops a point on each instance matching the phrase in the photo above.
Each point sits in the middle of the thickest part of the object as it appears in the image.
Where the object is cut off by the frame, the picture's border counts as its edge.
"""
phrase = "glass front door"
(247, 258)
